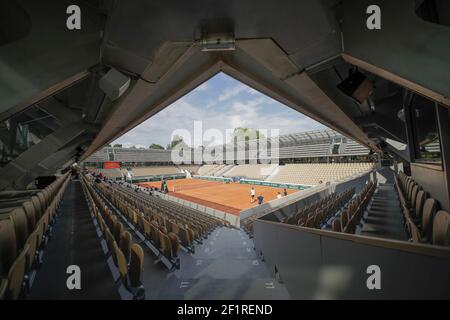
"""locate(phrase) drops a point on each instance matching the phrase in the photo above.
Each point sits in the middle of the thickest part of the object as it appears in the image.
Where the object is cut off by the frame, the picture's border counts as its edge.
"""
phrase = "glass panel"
(426, 131)
(24, 130)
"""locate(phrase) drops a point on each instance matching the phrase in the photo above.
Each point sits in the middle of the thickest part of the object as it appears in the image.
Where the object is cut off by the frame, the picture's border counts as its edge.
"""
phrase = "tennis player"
(252, 194)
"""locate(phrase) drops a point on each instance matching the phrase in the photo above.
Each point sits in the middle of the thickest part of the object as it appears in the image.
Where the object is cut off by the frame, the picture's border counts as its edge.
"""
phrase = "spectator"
(260, 199)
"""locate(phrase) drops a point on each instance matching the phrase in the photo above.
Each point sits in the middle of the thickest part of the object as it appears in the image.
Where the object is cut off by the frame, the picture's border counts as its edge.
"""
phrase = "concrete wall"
(316, 264)
(433, 180)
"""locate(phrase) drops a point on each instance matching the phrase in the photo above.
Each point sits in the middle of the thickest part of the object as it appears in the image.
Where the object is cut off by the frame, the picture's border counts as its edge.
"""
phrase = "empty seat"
(19, 220)
(136, 265)
(344, 219)
(125, 244)
(8, 246)
(429, 211)
(441, 228)
(16, 277)
(420, 200)
(336, 225)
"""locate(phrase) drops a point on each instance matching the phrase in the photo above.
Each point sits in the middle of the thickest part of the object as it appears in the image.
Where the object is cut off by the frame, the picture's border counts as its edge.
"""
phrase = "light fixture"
(218, 42)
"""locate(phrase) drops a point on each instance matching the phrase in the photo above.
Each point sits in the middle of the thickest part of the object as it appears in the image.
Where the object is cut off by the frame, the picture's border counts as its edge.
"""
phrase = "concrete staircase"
(384, 217)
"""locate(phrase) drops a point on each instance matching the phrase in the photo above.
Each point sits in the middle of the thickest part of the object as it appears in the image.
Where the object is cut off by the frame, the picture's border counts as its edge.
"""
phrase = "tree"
(117, 145)
(156, 146)
(242, 134)
(175, 140)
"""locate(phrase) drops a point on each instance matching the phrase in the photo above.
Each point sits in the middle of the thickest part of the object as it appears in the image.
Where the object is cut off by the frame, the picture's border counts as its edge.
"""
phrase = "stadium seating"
(164, 224)
(251, 171)
(313, 215)
(23, 236)
(316, 214)
(350, 217)
(210, 169)
(108, 173)
(314, 173)
(128, 257)
(424, 221)
(191, 168)
(154, 171)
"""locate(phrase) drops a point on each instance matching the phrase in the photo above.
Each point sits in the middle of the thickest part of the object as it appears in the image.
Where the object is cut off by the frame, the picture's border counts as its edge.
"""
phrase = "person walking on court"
(285, 192)
(260, 199)
(252, 194)
(279, 196)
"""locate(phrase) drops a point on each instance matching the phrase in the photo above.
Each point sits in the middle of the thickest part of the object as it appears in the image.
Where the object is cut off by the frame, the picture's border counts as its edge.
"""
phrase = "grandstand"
(315, 173)
(356, 211)
(154, 171)
(319, 145)
(251, 171)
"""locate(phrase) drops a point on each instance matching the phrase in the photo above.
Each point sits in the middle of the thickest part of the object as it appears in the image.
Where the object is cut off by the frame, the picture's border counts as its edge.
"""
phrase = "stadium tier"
(154, 171)
(321, 144)
(316, 173)
(251, 171)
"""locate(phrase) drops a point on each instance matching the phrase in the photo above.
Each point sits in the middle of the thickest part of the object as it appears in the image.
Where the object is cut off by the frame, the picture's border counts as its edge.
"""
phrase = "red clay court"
(227, 197)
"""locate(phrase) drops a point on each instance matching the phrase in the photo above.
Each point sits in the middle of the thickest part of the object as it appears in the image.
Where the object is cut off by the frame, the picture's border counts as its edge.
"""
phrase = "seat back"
(42, 200)
(37, 206)
(174, 244)
(31, 214)
(336, 225)
(125, 244)
(32, 248)
(414, 192)
(344, 219)
(441, 228)
(136, 265)
(121, 262)
(118, 229)
(165, 245)
(15, 276)
(8, 246)
(19, 219)
(428, 212)
(420, 200)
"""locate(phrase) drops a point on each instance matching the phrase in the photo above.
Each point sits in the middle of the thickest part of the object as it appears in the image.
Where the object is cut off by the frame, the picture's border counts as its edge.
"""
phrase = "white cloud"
(203, 87)
(248, 108)
(235, 90)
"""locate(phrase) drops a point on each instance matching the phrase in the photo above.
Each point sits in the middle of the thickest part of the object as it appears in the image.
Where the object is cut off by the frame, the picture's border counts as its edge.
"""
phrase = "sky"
(221, 103)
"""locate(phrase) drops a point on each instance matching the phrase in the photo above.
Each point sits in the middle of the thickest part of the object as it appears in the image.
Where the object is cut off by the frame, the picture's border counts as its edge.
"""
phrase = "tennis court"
(230, 197)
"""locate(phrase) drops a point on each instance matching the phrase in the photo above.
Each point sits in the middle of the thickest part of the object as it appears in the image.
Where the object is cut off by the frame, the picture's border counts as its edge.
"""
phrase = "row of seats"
(318, 213)
(251, 171)
(313, 215)
(112, 174)
(187, 223)
(154, 171)
(424, 221)
(193, 169)
(315, 173)
(127, 256)
(23, 237)
(167, 242)
(351, 216)
(210, 169)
